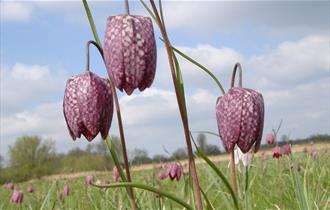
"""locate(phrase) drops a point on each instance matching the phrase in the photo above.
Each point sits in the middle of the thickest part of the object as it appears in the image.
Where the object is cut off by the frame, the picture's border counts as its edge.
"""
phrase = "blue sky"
(283, 48)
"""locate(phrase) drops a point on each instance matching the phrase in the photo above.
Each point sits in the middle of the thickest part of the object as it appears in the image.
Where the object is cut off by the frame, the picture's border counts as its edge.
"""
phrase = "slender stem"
(237, 65)
(233, 172)
(182, 109)
(127, 7)
(114, 93)
(87, 52)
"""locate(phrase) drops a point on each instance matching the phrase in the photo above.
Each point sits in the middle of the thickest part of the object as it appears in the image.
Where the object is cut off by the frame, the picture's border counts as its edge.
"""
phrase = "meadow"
(270, 186)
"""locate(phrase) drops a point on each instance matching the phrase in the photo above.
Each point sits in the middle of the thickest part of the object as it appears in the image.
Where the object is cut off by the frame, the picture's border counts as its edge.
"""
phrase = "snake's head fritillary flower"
(66, 190)
(10, 186)
(174, 171)
(277, 152)
(270, 138)
(88, 106)
(163, 173)
(240, 117)
(115, 174)
(17, 197)
(286, 149)
(89, 180)
(29, 189)
(130, 52)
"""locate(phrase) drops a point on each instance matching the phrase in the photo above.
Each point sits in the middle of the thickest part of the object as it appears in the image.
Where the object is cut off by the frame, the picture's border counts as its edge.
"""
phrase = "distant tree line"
(33, 157)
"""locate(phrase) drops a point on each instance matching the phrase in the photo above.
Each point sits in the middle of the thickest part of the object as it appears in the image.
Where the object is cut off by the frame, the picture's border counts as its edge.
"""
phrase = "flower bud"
(130, 52)
(270, 138)
(89, 180)
(17, 197)
(88, 106)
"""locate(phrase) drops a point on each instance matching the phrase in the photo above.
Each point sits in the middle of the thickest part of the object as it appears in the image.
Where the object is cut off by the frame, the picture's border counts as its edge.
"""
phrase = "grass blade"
(148, 188)
(201, 154)
(91, 22)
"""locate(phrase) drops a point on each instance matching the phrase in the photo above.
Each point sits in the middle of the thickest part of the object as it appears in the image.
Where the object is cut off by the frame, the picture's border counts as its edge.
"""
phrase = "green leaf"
(208, 203)
(302, 198)
(179, 81)
(148, 188)
(149, 11)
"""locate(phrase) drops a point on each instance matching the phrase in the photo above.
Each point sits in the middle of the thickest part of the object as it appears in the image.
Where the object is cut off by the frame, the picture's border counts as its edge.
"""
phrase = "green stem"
(148, 188)
(91, 22)
(116, 101)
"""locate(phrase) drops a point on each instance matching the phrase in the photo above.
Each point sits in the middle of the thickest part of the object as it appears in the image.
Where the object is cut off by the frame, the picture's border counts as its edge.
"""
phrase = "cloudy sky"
(282, 46)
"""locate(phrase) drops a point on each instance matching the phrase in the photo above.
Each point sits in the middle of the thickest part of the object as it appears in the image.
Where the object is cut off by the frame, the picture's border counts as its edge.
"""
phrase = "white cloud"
(277, 16)
(15, 11)
(294, 62)
(25, 86)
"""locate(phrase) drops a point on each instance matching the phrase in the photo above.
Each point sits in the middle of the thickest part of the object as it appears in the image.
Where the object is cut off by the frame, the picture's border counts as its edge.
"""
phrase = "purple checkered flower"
(277, 152)
(30, 189)
(17, 197)
(66, 190)
(174, 171)
(88, 106)
(286, 149)
(130, 52)
(89, 180)
(240, 116)
(270, 138)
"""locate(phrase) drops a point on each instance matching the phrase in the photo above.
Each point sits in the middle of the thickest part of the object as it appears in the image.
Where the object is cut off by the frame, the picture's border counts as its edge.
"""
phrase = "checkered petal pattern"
(240, 117)
(88, 106)
(130, 52)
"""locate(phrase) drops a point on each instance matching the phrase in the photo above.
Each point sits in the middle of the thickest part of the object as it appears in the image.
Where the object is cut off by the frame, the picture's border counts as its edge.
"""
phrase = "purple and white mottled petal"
(228, 111)
(130, 52)
(70, 108)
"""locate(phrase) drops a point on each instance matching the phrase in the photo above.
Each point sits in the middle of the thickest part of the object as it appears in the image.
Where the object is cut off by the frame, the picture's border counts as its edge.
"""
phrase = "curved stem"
(148, 188)
(239, 67)
(182, 109)
(87, 52)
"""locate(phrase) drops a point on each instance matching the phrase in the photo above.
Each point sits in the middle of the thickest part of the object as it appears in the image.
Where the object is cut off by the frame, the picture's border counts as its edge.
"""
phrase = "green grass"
(271, 186)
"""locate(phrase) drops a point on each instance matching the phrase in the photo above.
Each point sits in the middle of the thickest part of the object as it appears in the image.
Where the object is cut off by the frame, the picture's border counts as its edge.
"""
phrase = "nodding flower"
(277, 152)
(286, 149)
(88, 105)
(130, 52)
(89, 180)
(172, 170)
(10, 186)
(240, 116)
(17, 197)
(29, 189)
(270, 138)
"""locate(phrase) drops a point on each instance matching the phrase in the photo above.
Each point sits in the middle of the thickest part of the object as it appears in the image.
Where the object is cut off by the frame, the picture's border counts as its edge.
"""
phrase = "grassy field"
(271, 186)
